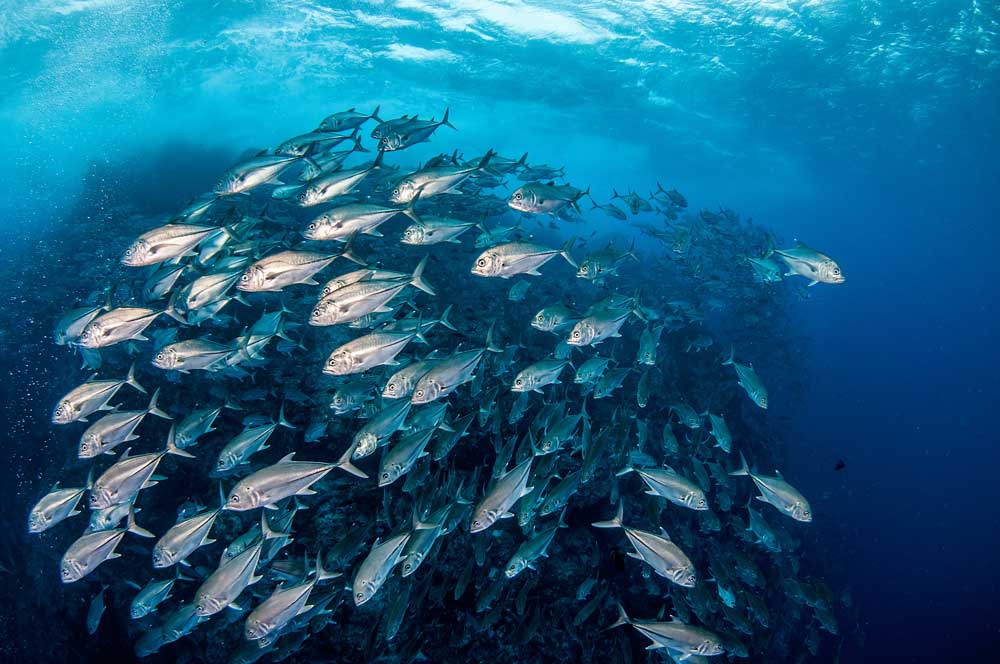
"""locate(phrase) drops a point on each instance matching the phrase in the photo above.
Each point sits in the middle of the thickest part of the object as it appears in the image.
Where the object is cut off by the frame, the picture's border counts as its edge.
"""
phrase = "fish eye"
(385, 476)
(576, 334)
(517, 195)
(245, 277)
(396, 191)
(360, 595)
(235, 498)
(420, 393)
(481, 262)
(128, 252)
(519, 381)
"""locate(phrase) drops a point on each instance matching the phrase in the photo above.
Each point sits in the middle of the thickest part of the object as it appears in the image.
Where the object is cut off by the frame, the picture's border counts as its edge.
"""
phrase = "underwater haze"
(713, 363)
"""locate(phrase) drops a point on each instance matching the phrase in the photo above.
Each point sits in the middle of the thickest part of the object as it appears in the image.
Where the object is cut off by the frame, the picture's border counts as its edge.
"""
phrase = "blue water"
(866, 129)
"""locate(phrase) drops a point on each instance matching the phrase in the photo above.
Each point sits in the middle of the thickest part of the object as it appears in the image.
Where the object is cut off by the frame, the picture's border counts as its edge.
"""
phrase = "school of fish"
(349, 407)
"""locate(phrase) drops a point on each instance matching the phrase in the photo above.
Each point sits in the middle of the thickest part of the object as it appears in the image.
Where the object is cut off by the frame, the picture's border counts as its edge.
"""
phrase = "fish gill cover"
(406, 353)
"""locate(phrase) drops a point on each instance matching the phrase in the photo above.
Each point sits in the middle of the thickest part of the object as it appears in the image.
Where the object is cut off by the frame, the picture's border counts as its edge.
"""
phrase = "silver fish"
(597, 327)
(685, 640)
(253, 172)
(546, 198)
(277, 611)
(151, 596)
(432, 230)
(195, 425)
(506, 260)
(376, 567)
(369, 351)
(89, 551)
(285, 268)
(811, 264)
(776, 491)
(112, 430)
(506, 491)
(54, 507)
(72, 324)
(117, 325)
(667, 483)
(340, 223)
(536, 376)
(531, 550)
(228, 581)
(364, 297)
(748, 379)
(451, 372)
(282, 480)
(166, 243)
(325, 187)
(347, 120)
(665, 557)
(124, 479)
(186, 536)
(247, 443)
(162, 281)
(379, 428)
(403, 455)
(554, 318)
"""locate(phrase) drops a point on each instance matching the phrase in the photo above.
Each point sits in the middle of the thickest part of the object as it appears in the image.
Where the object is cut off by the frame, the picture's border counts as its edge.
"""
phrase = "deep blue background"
(866, 129)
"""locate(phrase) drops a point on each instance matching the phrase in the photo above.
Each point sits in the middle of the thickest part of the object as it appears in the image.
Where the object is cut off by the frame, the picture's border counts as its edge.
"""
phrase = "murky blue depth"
(690, 169)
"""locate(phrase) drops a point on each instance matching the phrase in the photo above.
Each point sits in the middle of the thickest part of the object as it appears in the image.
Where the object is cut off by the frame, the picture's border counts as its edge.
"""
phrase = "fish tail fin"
(631, 251)
(322, 574)
(615, 522)
(490, 342)
(485, 161)
(418, 333)
(222, 497)
(623, 619)
(357, 143)
(172, 311)
(418, 277)
(410, 210)
(348, 251)
(281, 418)
(374, 114)
(134, 528)
(108, 292)
(616, 194)
(130, 380)
(444, 120)
(172, 445)
(732, 354)
(744, 468)
(564, 252)
(523, 161)
(267, 531)
(625, 471)
(446, 321)
(344, 463)
(90, 479)
(377, 164)
(152, 408)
